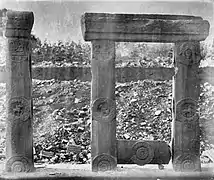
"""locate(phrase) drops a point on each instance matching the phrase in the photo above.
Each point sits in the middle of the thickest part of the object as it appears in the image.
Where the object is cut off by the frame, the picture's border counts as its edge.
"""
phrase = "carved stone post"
(186, 90)
(103, 145)
(19, 135)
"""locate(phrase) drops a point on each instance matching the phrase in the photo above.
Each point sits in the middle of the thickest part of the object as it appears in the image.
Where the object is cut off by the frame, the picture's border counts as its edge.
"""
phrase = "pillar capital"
(19, 24)
(19, 135)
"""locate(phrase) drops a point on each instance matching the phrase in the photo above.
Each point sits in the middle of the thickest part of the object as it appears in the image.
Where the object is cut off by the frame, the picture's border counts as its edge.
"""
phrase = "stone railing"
(103, 30)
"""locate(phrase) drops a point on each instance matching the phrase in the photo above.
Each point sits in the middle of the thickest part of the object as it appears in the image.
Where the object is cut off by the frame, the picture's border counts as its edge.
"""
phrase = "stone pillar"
(19, 133)
(103, 144)
(186, 91)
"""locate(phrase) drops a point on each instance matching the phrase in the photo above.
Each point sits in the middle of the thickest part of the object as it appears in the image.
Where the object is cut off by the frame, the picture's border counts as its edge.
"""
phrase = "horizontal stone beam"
(142, 152)
(123, 74)
(143, 27)
(125, 172)
(62, 73)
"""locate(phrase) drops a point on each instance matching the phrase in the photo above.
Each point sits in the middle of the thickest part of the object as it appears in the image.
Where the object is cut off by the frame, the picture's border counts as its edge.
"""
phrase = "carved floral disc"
(19, 108)
(104, 110)
(104, 162)
(143, 153)
(190, 52)
(18, 47)
(18, 164)
(186, 162)
(186, 109)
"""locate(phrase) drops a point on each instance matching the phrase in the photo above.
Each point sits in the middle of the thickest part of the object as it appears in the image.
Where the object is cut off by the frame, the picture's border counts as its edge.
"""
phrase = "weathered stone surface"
(104, 110)
(141, 27)
(103, 106)
(62, 73)
(18, 164)
(19, 133)
(123, 172)
(142, 152)
(123, 74)
(104, 162)
(186, 91)
(19, 23)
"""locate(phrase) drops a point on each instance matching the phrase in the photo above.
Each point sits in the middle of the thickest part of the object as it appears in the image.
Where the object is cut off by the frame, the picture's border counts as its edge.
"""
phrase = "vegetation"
(60, 53)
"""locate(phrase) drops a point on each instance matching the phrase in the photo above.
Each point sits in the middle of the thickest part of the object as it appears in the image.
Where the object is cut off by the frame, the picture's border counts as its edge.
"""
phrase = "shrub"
(60, 52)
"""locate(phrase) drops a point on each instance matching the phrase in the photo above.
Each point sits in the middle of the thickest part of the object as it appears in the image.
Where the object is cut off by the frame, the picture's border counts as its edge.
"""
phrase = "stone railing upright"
(186, 91)
(19, 133)
(103, 30)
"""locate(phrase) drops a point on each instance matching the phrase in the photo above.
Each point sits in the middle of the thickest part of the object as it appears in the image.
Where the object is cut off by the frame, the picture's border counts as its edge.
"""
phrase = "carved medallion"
(19, 108)
(190, 52)
(18, 47)
(96, 47)
(18, 164)
(186, 109)
(142, 153)
(186, 162)
(104, 162)
(103, 110)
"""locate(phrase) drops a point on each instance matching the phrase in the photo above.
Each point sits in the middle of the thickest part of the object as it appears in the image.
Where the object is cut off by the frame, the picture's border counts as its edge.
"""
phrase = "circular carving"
(19, 108)
(18, 164)
(191, 52)
(186, 108)
(186, 162)
(143, 153)
(104, 162)
(103, 109)
(19, 47)
(188, 53)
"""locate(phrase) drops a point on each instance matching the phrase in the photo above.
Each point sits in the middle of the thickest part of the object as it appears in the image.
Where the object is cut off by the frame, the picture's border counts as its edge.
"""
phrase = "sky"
(60, 20)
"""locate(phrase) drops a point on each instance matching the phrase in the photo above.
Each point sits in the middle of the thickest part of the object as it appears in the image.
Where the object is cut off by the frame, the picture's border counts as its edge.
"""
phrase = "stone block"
(143, 27)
